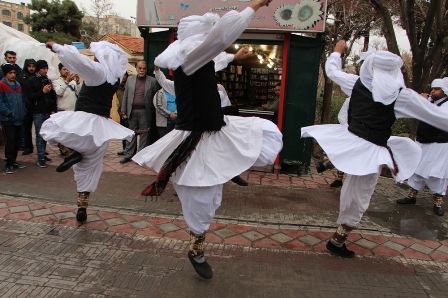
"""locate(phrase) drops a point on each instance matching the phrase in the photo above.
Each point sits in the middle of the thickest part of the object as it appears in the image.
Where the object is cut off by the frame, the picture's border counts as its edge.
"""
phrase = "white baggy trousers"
(199, 205)
(356, 194)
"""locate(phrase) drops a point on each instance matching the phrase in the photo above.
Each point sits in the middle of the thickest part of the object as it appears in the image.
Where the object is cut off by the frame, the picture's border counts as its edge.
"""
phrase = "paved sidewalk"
(47, 260)
(280, 236)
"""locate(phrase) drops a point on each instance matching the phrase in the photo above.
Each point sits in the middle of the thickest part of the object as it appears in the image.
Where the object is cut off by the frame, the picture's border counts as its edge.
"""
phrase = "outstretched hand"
(340, 46)
(243, 53)
(256, 4)
(49, 44)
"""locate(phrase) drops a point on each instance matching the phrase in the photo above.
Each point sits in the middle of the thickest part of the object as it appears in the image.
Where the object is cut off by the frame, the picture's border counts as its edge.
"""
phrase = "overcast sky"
(124, 8)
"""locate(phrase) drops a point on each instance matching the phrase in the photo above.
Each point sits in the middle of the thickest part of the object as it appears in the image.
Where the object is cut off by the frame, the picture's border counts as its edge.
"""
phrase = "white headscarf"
(381, 74)
(442, 84)
(112, 58)
(192, 31)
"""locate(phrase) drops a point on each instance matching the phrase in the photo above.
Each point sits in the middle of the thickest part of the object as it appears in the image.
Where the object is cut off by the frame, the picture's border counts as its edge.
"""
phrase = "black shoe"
(41, 164)
(342, 251)
(27, 152)
(438, 210)
(240, 181)
(81, 215)
(320, 167)
(407, 201)
(18, 165)
(47, 159)
(203, 269)
(69, 161)
(46, 153)
(120, 153)
(125, 160)
(336, 183)
(9, 170)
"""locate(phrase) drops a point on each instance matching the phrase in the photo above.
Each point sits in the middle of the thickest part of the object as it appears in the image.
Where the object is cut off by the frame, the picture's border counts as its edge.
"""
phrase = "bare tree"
(426, 25)
(350, 20)
(100, 9)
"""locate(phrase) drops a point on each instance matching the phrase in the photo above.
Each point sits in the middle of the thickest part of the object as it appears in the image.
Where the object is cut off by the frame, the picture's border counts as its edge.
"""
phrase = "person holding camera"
(43, 102)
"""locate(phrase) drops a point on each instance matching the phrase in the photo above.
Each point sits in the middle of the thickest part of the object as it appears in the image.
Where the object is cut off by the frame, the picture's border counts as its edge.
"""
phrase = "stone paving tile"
(443, 249)
(168, 227)
(394, 246)
(225, 233)
(310, 240)
(253, 235)
(65, 215)
(115, 221)
(40, 212)
(19, 209)
(366, 243)
(281, 238)
(3, 205)
(140, 224)
(421, 248)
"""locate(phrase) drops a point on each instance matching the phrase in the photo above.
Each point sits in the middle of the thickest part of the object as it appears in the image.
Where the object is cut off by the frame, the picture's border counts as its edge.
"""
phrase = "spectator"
(137, 107)
(66, 88)
(11, 58)
(123, 121)
(12, 111)
(29, 70)
(166, 111)
(43, 101)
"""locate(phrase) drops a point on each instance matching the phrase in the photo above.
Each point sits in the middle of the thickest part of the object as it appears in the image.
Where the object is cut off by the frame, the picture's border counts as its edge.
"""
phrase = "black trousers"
(26, 132)
(12, 138)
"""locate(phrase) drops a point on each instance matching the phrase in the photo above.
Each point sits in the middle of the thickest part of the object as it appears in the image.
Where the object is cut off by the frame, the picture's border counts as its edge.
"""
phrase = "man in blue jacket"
(12, 111)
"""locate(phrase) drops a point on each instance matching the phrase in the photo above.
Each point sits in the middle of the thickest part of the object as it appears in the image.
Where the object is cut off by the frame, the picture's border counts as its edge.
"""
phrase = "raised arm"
(333, 69)
(229, 27)
(93, 73)
(410, 104)
(166, 84)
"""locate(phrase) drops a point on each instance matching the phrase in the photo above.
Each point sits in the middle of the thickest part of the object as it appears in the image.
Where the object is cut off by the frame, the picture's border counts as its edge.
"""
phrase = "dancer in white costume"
(86, 132)
(206, 149)
(432, 170)
(377, 97)
(168, 85)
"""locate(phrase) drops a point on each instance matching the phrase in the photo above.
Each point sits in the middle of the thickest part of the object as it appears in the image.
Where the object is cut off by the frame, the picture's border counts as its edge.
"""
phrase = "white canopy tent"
(27, 47)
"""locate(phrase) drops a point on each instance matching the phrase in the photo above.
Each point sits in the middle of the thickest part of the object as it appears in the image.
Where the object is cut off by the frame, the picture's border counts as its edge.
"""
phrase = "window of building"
(8, 24)
(20, 15)
(6, 12)
(20, 27)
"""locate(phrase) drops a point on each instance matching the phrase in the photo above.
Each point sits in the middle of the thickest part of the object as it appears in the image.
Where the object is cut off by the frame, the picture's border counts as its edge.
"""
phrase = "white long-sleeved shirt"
(229, 27)
(67, 93)
(93, 73)
(409, 103)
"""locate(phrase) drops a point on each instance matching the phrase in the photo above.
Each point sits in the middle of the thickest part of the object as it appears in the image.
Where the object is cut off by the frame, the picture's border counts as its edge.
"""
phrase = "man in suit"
(137, 107)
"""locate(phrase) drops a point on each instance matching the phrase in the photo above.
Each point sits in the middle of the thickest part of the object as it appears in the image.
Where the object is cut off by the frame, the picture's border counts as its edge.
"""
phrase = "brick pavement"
(239, 233)
(48, 260)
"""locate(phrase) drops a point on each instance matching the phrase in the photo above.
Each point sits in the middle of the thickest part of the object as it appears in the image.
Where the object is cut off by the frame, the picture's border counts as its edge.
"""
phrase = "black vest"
(197, 100)
(96, 99)
(429, 134)
(368, 119)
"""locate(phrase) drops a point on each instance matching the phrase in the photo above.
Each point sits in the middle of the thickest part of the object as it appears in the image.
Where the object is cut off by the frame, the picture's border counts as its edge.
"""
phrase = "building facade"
(114, 24)
(12, 15)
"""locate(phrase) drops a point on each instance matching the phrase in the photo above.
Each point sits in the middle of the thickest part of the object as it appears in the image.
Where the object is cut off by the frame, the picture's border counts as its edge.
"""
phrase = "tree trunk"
(326, 101)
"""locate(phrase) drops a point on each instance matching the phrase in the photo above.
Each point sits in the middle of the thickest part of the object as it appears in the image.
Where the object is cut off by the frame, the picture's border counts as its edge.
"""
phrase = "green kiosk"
(278, 83)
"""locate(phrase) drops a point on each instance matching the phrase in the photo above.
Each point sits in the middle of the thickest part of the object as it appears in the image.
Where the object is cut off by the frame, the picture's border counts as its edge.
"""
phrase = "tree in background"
(100, 9)
(426, 25)
(88, 32)
(57, 20)
(348, 20)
